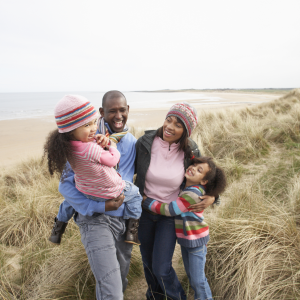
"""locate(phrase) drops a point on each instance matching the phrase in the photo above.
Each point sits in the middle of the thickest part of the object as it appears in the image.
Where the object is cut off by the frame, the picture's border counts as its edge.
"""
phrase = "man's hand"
(114, 204)
(144, 198)
(102, 140)
(206, 202)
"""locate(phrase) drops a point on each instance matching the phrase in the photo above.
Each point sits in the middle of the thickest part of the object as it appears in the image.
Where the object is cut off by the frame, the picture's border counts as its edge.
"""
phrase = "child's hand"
(102, 140)
(206, 202)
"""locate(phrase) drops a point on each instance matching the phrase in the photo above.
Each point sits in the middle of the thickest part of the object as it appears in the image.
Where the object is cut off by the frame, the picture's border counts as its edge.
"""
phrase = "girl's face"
(86, 132)
(172, 130)
(195, 174)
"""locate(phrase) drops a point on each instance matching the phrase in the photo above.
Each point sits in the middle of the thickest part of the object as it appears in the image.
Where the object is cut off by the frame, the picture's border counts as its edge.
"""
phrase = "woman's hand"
(144, 198)
(102, 140)
(206, 202)
(114, 204)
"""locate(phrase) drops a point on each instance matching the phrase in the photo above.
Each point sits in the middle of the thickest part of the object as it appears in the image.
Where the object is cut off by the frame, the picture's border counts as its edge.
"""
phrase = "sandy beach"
(24, 138)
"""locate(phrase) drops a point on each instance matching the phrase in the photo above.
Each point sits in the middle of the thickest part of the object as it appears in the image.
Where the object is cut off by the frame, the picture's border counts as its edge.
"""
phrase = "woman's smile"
(172, 130)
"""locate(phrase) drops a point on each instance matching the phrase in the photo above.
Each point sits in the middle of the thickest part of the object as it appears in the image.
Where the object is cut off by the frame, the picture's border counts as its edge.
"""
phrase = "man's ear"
(128, 108)
(101, 111)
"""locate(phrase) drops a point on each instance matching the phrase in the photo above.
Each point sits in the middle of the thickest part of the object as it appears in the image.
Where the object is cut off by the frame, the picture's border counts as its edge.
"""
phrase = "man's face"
(115, 113)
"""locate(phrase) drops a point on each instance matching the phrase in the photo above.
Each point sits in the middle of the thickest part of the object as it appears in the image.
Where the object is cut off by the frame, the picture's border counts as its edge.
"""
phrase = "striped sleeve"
(177, 207)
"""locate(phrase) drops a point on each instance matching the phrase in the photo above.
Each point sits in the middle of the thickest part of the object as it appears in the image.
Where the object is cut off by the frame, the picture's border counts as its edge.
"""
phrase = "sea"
(32, 105)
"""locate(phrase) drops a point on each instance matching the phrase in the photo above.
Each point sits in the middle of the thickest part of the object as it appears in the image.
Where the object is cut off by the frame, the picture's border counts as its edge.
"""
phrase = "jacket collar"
(147, 139)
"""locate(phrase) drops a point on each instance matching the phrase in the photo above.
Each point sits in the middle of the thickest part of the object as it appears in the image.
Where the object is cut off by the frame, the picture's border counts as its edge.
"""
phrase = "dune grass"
(254, 248)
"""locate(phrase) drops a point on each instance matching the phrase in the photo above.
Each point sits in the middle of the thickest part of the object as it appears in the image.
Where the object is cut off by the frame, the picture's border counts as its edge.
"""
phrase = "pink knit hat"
(73, 111)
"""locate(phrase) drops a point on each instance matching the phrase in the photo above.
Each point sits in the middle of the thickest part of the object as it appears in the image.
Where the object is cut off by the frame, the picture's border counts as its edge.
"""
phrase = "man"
(101, 224)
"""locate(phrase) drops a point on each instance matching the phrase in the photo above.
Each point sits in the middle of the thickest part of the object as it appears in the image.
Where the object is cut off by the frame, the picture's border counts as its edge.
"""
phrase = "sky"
(71, 45)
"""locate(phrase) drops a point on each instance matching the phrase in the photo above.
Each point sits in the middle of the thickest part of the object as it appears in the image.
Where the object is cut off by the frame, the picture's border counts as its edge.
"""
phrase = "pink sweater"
(165, 173)
(94, 170)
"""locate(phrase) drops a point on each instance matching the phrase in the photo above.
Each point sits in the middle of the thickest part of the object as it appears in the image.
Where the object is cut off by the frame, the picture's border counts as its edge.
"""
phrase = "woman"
(161, 159)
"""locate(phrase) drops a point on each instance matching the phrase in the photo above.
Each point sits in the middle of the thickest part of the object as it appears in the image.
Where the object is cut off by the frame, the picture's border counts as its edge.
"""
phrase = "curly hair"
(215, 176)
(57, 149)
(183, 142)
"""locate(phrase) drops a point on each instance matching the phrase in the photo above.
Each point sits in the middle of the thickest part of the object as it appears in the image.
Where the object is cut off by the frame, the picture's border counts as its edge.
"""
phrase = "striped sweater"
(94, 170)
(191, 230)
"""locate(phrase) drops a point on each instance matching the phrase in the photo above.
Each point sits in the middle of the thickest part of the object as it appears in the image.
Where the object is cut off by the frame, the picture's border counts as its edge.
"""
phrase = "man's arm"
(84, 205)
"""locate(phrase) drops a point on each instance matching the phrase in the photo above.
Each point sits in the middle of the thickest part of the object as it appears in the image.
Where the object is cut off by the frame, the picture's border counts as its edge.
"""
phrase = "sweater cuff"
(146, 203)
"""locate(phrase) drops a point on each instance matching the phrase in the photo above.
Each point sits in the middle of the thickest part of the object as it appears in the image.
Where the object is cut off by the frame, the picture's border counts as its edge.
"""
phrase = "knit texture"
(94, 172)
(103, 128)
(73, 111)
(186, 113)
(191, 230)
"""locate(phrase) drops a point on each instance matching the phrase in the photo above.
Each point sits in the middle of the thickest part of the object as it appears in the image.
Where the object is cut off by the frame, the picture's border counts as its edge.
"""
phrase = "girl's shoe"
(57, 231)
(132, 232)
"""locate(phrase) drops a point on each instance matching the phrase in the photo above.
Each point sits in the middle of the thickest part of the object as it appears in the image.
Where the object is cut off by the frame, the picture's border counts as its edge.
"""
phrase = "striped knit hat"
(186, 113)
(73, 111)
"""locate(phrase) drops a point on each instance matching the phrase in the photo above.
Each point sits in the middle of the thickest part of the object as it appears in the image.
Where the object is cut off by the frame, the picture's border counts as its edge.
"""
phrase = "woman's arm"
(84, 205)
(206, 202)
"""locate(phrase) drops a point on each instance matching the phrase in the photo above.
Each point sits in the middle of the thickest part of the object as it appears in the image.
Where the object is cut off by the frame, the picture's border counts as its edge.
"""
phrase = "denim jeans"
(132, 209)
(108, 254)
(133, 201)
(194, 264)
(158, 239)
(66, 212)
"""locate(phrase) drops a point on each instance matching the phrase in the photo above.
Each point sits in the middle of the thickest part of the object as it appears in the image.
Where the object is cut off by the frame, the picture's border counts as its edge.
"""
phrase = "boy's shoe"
(132, 232)
(57, 231)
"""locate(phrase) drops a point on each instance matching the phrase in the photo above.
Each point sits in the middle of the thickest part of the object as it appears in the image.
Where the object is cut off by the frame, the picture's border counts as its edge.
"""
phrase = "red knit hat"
(73, 111)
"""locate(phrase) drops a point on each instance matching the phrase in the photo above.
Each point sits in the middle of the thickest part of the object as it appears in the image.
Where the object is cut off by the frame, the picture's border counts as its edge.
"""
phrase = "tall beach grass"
(254, 248)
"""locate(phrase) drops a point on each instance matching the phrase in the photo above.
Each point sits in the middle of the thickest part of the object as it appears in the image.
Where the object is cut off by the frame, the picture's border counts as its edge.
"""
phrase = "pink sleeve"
(110, 158)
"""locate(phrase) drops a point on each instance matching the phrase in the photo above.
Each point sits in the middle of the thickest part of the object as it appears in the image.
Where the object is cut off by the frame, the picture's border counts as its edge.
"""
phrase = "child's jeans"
(194, 263)
(133, 201)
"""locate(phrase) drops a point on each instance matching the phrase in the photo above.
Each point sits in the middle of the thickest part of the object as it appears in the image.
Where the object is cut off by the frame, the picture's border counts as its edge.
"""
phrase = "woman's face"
(172, 130)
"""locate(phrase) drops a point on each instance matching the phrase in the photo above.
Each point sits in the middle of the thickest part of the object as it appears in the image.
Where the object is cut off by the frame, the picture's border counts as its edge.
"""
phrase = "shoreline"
(24, 138)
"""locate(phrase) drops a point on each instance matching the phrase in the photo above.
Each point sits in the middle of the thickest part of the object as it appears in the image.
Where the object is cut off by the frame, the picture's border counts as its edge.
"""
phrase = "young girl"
(75, 141)
(202, 177)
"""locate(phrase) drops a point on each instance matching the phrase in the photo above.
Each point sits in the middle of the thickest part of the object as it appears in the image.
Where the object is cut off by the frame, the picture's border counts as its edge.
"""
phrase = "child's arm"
(108, 158)
(79, 202)
(177, 207)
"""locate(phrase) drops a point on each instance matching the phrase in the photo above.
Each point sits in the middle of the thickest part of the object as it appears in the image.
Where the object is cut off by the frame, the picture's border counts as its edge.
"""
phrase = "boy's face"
(195, 174)
(115, 113)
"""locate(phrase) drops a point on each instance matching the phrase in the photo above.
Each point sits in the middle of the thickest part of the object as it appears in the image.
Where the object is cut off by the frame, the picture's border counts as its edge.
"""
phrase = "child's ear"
(203, 182)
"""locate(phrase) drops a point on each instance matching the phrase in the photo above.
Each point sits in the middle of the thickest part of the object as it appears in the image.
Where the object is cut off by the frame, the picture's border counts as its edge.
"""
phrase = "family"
(97, 159)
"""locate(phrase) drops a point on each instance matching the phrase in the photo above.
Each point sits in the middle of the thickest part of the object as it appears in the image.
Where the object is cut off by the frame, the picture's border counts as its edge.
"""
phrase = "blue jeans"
(194, 263)
(158, 239)
(132, 208)
(65, 212)
(133, 201)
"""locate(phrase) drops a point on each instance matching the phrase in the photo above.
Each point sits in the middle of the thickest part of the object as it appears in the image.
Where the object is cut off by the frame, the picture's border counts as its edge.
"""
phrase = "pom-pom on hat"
(186, 113)
(73, 111)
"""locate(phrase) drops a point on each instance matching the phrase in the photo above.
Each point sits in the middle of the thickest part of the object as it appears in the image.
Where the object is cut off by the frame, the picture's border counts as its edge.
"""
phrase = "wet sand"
(24, 138)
